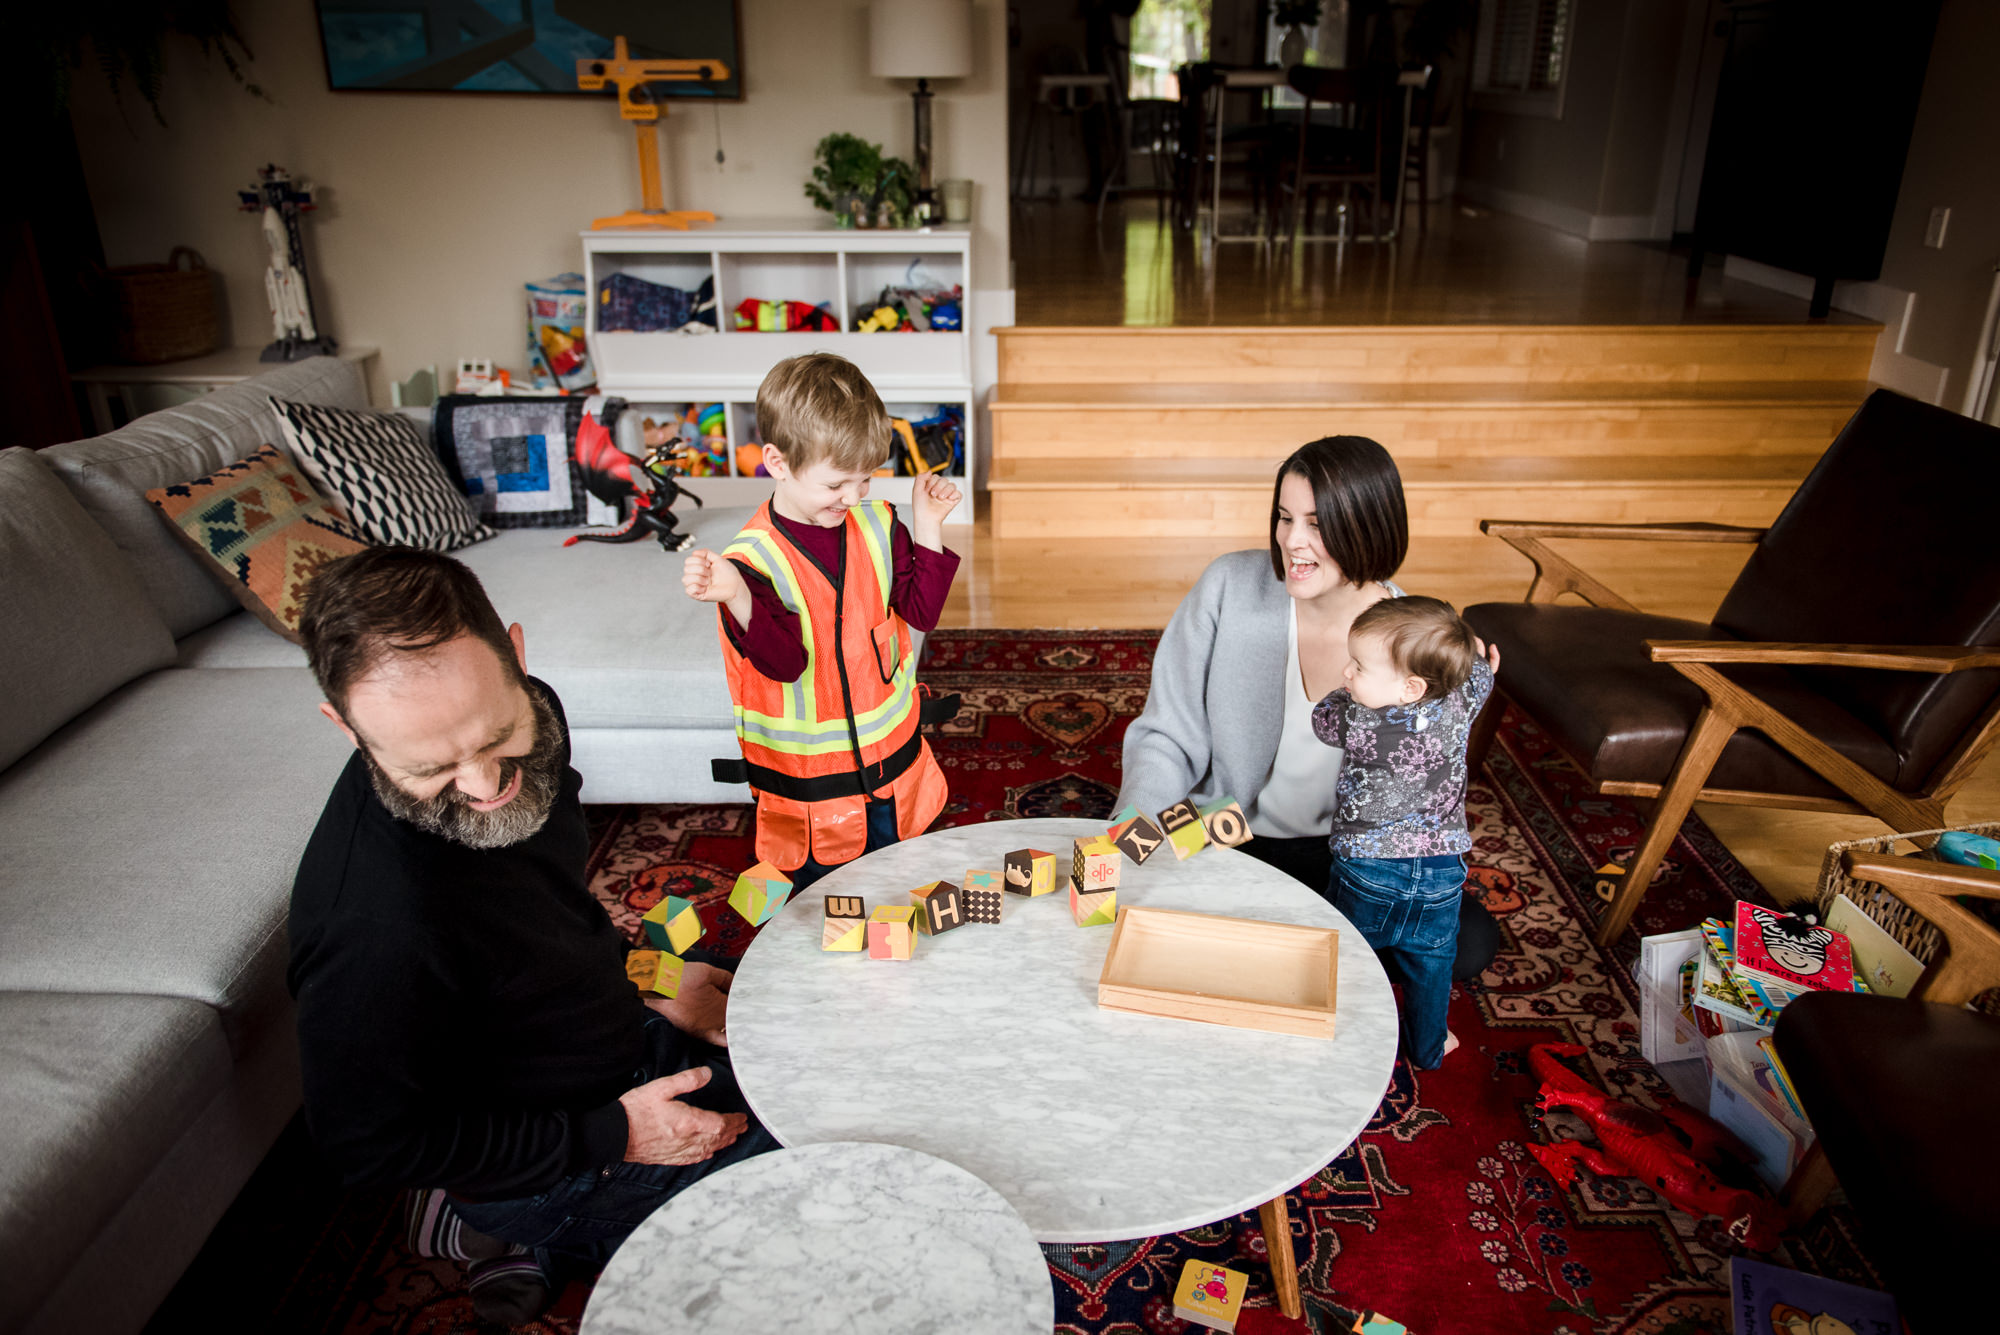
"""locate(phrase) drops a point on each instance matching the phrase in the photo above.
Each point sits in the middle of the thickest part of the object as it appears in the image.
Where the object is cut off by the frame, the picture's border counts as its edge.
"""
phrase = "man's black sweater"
(464, 1016)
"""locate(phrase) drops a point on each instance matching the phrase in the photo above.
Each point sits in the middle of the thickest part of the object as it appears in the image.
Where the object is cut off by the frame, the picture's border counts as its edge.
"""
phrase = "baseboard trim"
(1893, 306)
(1563, 217)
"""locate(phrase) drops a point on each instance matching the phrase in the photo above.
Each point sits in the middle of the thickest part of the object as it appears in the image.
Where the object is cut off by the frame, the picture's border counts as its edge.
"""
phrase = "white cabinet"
(916, 373)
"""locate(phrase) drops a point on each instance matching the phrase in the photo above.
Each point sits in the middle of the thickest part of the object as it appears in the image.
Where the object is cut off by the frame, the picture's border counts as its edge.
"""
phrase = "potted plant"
(853, 181)
(1294, 16)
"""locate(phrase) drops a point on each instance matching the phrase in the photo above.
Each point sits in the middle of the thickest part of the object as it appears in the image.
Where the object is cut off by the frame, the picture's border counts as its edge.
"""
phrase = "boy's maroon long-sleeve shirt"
(922, 578)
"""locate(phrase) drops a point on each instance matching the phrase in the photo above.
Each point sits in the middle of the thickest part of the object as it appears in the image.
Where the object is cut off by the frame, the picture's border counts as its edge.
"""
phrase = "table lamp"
(921, 40)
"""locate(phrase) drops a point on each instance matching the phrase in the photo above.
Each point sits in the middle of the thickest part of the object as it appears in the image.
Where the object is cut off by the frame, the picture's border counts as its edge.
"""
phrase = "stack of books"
(1754, 966)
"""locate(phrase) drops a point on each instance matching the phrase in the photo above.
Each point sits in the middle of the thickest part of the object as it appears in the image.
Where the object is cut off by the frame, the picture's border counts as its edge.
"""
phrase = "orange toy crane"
(634, 79)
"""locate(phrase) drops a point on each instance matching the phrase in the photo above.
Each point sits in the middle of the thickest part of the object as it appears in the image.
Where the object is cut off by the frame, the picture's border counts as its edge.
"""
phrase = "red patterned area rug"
(1437, 1217)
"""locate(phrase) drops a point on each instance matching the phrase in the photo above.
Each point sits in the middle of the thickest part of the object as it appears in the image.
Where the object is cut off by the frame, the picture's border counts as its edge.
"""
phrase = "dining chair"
(1348, 154)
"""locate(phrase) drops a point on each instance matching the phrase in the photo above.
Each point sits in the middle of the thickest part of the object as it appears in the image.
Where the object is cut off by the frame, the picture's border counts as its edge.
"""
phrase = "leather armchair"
(1903, 1095)
(1854, 666)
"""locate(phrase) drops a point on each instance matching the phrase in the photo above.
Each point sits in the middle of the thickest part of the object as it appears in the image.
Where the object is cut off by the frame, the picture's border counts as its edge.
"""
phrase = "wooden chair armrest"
(1945, 658)
(1509, 529)
(1971, 960)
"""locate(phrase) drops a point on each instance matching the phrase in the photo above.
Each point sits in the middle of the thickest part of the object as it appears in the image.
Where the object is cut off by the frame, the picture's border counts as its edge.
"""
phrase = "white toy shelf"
(785, 260)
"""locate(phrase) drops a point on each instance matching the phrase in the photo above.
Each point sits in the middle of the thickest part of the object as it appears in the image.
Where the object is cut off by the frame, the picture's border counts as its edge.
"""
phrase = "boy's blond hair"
(820, 406)
(1424, 638)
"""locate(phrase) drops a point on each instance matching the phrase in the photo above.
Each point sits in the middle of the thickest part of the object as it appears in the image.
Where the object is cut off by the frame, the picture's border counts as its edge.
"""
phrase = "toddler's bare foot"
(1450, 1042)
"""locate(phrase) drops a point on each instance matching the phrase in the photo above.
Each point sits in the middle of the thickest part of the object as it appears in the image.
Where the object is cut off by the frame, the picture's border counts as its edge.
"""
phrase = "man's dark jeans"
(575, 1225)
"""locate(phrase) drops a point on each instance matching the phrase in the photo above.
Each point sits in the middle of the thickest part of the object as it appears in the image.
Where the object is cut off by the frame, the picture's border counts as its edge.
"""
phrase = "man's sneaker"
(511, 1290)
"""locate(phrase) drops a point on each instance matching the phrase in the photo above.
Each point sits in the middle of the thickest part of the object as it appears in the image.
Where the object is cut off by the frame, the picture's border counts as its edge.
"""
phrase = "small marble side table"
(827, 1239)
(988, 1048)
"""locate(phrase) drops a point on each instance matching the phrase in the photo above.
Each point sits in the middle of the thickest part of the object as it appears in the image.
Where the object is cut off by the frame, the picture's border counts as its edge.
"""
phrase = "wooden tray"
(1235, 971)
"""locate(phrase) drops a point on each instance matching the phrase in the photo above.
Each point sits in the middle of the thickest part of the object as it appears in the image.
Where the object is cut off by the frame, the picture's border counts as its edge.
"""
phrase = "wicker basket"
(165, 312)
(1910, 929)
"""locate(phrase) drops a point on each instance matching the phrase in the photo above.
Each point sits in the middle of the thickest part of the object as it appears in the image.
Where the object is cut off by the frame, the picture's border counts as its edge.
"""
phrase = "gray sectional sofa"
(162, 763)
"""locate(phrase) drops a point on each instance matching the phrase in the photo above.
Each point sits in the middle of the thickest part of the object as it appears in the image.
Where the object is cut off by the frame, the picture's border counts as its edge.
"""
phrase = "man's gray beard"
(450, 815)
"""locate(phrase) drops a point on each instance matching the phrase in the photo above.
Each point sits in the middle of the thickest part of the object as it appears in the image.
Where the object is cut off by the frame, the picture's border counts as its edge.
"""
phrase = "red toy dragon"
(1669, 1150)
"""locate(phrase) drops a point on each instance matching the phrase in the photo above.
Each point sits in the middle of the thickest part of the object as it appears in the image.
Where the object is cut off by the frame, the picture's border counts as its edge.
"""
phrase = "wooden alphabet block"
(981, 896)
(655, 971)
(846, 923)
(1093, 908)
(1223, 820)
(940, 907)
(759, 893)
(1030, 871)
(1137, 838)
(891, 934)
(1210, 1296)
(1094, 864)
(1181, 823)
(672, 924)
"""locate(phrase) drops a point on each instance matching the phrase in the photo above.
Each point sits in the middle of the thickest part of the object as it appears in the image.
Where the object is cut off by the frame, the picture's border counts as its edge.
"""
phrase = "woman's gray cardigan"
(1217, 705)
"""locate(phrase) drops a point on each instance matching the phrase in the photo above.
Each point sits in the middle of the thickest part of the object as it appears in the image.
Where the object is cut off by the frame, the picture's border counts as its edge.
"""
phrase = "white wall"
(439, 206)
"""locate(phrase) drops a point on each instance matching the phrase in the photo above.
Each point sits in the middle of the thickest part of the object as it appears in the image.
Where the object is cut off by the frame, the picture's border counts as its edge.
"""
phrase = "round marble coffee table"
(842, 1237)
(987, 1048)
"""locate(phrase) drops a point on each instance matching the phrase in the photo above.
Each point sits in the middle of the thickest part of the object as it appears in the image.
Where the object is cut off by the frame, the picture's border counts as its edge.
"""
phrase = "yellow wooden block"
(1093, 908)
(759, 893)
(891, 934)
(846, 923)
(1031, 872)
(655, 971)
(1224, 823)
(672, 924)
(1182, 825)
(1094, 863)
(1210, 1295)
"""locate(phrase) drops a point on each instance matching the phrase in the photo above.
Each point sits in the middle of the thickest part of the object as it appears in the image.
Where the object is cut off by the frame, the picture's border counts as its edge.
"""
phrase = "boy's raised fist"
(936, 497)
(711, 577)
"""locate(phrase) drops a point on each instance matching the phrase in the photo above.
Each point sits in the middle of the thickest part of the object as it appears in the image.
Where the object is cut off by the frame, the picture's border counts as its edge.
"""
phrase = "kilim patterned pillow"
(268, 532)
(380, 469)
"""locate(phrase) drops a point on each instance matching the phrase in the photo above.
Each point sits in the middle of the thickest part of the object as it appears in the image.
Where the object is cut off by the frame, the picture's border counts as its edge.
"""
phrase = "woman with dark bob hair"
(1261, 639)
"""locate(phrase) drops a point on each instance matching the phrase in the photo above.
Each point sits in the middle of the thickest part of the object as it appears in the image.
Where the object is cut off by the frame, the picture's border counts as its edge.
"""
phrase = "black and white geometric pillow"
(379, 468)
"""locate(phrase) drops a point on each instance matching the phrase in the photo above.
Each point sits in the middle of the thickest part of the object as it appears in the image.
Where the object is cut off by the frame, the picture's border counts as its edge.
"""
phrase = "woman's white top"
(1297, 799)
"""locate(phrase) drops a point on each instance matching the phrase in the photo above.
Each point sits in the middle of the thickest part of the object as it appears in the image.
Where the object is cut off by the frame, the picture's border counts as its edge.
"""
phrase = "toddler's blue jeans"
(1407, 908)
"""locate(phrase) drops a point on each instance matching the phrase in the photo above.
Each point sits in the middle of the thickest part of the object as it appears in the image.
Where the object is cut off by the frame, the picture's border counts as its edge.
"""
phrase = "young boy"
(818, 594)
(1415, 682)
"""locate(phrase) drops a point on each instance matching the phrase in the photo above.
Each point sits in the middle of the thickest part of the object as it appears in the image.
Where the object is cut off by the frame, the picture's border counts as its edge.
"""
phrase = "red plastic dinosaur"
(1669, 1149)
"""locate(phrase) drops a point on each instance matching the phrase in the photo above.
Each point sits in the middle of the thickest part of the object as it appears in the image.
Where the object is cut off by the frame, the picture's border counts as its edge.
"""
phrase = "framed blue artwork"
(519, 46)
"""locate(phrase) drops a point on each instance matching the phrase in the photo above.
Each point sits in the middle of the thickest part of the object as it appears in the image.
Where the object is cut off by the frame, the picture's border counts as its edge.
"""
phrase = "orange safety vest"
(848, 728)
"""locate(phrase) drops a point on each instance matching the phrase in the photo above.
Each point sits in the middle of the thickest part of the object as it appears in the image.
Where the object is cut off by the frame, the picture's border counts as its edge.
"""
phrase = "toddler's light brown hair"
(1424, 637)
(820, 406)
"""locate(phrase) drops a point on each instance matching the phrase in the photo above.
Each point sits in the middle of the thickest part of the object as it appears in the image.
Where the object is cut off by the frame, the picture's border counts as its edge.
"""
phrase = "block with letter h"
(940, 907)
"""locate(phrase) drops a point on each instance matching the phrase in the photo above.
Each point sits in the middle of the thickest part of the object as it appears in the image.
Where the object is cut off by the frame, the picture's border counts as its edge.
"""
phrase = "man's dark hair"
(385, 600)
(1358, 495)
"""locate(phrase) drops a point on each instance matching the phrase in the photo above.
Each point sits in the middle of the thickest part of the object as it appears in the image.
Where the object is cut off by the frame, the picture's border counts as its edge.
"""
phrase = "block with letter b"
(1181, 823)
(759, 893)
(981, 896)
(846, 923)
(1224, 822)
(1094, 862)
(940, 907)
(890, 932)
(1030, 871)
(672, 924)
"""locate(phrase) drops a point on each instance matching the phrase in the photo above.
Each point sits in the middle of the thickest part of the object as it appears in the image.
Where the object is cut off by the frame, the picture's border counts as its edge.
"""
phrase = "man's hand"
(710, 577)
(663, 1130)
(933, 498)
(700, 1006)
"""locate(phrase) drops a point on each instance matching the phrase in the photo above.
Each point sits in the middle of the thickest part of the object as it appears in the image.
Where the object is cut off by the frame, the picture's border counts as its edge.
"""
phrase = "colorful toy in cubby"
(1222, 820)
(1181, 823)
(750, 461)
(672, 924)
(1137, 838)
(1968, 849)
(1030, 871)
(1210, 1295)
(759, 893)
(770, 317)
(940, 907)
(1094, 863)
(981, 895)
(890, 932)
(655, 971)
(846, 923)
(1093, 908)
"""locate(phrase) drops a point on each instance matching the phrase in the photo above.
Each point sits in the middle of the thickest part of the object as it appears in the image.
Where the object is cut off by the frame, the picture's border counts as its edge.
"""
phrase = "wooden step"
(1420, 421)
(1086, 498)
(1475, 354)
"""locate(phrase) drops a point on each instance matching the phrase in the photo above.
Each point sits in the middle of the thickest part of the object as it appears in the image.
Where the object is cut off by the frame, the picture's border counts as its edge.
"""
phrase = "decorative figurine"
(294, 327)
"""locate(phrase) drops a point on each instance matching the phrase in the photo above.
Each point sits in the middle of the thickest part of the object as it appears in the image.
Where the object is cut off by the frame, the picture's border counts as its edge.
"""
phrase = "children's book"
(1880, 958)
(1667, 1031)
(1717, 990)
(1781, 1078)
(1773, 1148)
(1789, 952)
(1766, 1299)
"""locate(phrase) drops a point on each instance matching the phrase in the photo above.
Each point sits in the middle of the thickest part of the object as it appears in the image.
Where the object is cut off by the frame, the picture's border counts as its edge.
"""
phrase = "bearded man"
(465, 1021)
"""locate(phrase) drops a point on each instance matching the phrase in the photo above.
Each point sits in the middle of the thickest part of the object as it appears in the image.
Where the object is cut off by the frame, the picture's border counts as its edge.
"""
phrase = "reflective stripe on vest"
(801, 730)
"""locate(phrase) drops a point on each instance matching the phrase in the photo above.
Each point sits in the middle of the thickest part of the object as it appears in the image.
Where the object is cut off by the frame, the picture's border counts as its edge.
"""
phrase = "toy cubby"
(785, 260)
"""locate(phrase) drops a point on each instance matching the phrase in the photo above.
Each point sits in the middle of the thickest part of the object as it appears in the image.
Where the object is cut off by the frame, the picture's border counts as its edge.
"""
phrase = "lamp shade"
(920, 39)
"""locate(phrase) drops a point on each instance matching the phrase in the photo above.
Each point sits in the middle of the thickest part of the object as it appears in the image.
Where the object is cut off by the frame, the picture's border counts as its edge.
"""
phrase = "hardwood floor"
(1137, 582)
(1135, 268)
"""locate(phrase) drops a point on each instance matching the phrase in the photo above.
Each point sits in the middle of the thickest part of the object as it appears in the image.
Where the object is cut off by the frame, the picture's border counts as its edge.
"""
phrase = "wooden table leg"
(1277, 1222)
